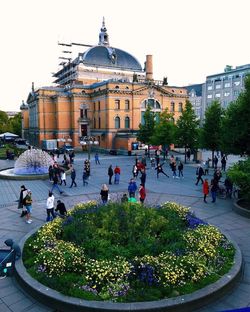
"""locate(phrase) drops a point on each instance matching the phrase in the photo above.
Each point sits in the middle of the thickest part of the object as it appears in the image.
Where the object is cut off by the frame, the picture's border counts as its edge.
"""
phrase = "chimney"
(149, 67)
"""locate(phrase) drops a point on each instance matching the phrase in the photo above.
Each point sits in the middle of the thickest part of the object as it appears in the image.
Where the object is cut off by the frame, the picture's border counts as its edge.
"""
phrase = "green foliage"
(13, 124)
(239, 174)
(236, 125)
(212, 130)
(187, 128)
(145, 130)
(164, 131)
(127, 253)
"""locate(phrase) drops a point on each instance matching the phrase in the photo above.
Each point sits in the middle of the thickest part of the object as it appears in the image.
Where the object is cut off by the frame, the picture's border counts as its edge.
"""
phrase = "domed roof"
(106, 56)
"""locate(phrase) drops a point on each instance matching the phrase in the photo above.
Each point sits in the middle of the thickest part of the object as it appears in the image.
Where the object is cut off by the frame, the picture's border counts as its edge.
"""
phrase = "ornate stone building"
(104, 93)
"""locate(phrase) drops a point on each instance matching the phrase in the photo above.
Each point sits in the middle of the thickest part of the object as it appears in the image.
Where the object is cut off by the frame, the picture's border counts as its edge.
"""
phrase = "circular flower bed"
(127, 252)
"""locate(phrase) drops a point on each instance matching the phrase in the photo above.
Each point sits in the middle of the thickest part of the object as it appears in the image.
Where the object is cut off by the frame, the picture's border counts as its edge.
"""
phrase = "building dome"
(108, 57)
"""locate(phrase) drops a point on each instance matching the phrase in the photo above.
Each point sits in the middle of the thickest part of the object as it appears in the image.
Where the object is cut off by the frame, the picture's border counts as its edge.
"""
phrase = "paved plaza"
(183, 191)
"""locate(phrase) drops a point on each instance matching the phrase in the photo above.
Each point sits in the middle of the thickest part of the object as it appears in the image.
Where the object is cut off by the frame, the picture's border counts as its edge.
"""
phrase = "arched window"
(180, 107)
(117, 87)
(153, 104)
(172, 107)
(127, 122)
(117, 122)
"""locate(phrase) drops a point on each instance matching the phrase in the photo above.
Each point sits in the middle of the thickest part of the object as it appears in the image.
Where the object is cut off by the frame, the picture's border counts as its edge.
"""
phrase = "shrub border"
(188, 302)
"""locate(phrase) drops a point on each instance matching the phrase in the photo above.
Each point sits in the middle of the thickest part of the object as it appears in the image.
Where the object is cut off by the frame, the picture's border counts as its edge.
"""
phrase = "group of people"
(25, 203)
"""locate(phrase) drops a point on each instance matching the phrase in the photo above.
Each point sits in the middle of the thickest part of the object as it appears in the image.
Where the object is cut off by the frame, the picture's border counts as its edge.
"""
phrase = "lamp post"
(88, 141)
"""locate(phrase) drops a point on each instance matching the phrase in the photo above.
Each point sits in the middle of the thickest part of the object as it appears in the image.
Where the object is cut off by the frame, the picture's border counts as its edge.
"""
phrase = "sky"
(189, 39)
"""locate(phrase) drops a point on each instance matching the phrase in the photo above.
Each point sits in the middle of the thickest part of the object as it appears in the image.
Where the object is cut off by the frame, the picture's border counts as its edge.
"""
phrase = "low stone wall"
(185, 303)
(240, 210)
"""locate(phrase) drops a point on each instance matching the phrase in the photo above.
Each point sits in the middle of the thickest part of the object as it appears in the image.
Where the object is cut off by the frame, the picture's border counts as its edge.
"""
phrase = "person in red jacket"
(205, 189)
(142, 193)
(117, 172)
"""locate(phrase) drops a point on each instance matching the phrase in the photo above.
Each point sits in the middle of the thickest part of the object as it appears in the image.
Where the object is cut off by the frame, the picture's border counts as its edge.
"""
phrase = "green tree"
(15, 124)
(3, 122)
(212, 128)
(236, 125)
(164, 130)
(187, 128)
(146, 129)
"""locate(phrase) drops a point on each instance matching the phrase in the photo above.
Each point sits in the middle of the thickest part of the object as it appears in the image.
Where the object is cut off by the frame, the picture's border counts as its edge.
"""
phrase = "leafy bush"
(239, 174)
(127, 253)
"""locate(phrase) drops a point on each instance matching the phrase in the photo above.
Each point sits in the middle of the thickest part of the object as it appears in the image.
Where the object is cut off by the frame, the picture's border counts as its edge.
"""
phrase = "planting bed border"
(188, 302)
(240, 210)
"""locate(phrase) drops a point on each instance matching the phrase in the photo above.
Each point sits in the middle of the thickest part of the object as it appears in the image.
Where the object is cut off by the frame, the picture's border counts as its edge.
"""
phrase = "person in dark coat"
(104, 194)
(60, 207)
(73, 177)
(21, 205)
(143, 177)
(199, 174)
(160, 170)
(110, 174)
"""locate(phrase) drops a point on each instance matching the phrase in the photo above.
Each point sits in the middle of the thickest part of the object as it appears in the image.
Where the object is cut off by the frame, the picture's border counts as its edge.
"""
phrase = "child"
(205, 189)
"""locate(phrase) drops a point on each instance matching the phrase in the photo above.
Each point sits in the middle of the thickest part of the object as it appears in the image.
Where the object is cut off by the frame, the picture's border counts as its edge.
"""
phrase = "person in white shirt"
(63, 177)
(50, 207)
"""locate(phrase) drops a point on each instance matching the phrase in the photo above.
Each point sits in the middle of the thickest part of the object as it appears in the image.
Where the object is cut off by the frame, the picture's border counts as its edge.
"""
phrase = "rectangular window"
(99, 105)
(218, 86)
(217, 95)
(209, 96)
(226, 93)
(210, 88)
(227, 85)
(127, 104)
(237, 83)
(236, 92)
(172, 107)
(180, 107)
(99, 122)
(117, 104)
(81, 113)
(94, 107)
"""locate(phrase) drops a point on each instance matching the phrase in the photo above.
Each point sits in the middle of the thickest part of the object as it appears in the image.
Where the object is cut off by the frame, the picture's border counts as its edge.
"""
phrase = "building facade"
(195, 98)
(102, 93)
(224, 87)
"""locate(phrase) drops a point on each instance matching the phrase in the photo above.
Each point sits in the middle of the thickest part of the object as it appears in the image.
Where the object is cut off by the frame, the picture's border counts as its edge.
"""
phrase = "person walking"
(51, 172)
(97, 161)
(28, 206)
(135, 171)
(180, 169)
(173, 167)
(213, 189)
(117, 172)
(63, 177)
(23, 193)
(143, 177)
(160, 170)
(73, 177)
(55, 184)
(50, 207)
(199, 174)
(223, 163)
(142, 193)
(132, 187)
(215, 162)
(62, 212)
(110, 174)
(104, 193)
(205, 190)
(85, 178)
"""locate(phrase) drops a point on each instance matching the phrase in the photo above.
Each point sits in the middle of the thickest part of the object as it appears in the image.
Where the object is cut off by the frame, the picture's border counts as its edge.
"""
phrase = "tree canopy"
(147, 127)
(236, 124)
(187, 128)
(164, 130)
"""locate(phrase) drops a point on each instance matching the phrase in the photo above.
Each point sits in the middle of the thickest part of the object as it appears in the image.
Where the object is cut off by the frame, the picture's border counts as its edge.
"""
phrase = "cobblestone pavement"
(184, 191)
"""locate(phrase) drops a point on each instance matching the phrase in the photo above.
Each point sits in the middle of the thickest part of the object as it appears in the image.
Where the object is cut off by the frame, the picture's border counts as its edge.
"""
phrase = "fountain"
(32, 164)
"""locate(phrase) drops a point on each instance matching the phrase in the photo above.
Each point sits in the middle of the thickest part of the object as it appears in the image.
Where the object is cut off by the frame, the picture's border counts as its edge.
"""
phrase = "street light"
(88, 141)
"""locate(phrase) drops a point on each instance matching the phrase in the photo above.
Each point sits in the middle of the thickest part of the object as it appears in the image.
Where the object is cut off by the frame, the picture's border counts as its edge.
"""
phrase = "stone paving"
(184, 191)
